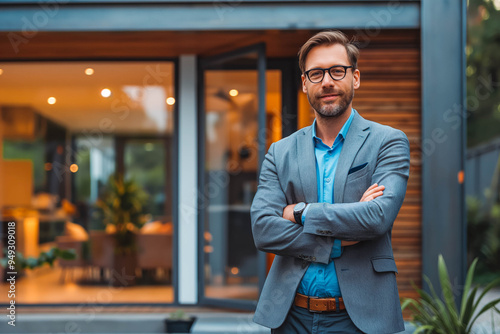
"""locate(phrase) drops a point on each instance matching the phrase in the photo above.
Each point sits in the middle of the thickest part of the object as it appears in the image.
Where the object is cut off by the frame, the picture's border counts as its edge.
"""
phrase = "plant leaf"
(468, 284)
(467, 314)
(423, 328)
(485, 308)
(449, 299)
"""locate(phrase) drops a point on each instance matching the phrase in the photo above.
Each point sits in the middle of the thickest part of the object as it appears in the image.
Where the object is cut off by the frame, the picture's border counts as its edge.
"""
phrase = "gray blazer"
(372, 153)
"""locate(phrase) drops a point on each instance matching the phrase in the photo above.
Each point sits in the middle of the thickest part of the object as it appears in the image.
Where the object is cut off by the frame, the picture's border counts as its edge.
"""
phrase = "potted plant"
(17, 263)
(179, 322)
(432, 314)
(122, 208)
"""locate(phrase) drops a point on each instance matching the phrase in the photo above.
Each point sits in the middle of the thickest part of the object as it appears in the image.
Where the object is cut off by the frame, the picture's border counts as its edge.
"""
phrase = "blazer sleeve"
(274, 234)
(368, 220)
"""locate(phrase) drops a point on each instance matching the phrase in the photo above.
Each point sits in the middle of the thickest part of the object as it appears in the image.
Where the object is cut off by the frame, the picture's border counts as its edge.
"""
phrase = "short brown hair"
(329, 37)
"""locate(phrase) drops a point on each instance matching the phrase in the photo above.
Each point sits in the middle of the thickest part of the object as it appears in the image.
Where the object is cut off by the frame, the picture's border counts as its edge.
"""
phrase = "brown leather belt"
(314, 304)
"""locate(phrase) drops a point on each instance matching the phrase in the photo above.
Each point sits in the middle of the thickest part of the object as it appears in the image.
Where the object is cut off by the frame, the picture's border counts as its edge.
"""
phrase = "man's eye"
(315, 74)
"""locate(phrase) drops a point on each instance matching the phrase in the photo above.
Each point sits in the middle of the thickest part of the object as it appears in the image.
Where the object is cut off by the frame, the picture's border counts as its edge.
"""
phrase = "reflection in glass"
(105, 119)
(231, 164)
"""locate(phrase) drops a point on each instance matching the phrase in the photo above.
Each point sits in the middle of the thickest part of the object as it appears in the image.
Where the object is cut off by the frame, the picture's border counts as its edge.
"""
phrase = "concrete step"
(206, 323)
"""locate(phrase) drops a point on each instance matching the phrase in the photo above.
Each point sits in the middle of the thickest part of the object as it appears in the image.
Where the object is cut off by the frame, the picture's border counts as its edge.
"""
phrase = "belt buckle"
(309, 305)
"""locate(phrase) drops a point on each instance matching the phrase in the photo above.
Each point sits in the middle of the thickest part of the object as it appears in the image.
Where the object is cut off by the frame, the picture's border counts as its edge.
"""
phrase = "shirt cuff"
(303, 218)
(336, 249)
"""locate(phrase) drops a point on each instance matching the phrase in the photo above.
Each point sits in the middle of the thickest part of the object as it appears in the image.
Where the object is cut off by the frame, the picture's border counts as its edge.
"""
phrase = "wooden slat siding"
(162, 44)
(390, 94)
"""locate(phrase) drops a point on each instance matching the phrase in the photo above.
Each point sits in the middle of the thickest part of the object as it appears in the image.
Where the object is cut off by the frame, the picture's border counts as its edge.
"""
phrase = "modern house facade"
(185, 98)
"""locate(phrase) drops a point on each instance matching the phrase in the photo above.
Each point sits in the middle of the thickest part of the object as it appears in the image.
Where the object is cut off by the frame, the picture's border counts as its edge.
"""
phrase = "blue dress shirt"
(320, 280)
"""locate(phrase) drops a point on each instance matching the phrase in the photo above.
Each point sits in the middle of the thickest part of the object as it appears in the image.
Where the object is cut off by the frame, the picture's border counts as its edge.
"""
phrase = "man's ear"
(304, 88)
(357, 79)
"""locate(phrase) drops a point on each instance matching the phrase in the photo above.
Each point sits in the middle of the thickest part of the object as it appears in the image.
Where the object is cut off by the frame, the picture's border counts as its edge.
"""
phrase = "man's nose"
(327, 80)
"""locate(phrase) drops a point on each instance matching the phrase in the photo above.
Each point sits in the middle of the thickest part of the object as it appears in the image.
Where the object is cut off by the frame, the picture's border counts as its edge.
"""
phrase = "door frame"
(203, 64)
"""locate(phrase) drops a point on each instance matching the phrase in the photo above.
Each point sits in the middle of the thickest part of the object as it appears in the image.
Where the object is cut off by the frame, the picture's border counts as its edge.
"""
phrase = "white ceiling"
(137, 103)
(139, 91)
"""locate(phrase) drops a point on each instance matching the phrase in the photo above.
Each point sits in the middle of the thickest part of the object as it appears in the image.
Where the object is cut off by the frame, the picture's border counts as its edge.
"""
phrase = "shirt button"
(320, 271)
(328, 180)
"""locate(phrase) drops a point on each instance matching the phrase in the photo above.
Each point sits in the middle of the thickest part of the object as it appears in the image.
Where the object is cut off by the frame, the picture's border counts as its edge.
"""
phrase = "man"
(327, 199)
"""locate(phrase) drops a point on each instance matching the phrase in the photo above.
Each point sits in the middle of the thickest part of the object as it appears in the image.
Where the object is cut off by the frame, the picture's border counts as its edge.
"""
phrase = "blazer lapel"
(356, 136)
(307, 165)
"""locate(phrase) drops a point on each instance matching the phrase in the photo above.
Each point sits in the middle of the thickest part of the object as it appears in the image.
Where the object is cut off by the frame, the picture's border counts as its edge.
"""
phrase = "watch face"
(299, 207)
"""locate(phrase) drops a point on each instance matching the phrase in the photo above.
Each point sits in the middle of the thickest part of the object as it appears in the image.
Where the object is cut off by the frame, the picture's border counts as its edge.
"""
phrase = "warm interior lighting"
(31, 233)
(106, 92)
(170, 101)
(89, 71)
(73, 168)
(51, 100)
(208, 249)
(233, 92)
(1, 71)
(235, 270)
(208, 236)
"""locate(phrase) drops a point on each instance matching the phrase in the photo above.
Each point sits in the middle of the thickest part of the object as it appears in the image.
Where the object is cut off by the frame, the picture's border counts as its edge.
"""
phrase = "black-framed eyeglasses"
(337, 72)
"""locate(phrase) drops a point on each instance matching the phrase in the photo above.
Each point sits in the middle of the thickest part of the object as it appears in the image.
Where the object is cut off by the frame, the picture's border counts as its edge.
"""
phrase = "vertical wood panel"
(390, 94)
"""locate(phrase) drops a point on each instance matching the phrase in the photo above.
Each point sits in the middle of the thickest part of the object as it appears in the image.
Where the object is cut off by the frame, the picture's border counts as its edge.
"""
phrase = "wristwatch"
(297, 212)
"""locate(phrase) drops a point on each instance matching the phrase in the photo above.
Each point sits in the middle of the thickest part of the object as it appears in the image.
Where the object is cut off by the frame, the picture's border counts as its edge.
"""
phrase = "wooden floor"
(43, 286)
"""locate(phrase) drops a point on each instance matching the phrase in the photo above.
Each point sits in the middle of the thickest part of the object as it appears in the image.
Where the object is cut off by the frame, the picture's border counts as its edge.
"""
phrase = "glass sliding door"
(234, 121)
(68, 130)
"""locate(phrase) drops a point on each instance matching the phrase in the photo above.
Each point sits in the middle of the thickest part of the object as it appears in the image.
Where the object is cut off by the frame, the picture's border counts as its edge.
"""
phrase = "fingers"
(372, 196)
(373, 192)
(372, 186)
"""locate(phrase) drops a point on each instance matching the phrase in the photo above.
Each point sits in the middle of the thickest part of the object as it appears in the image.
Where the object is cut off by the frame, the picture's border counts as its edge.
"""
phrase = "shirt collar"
(342, 133)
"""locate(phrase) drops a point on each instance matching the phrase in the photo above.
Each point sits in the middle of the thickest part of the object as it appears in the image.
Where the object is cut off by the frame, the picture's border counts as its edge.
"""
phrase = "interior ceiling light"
(233, 92)
(170, 101)
(1, 71)
(51, 100)
(89, 71)
(106, 92)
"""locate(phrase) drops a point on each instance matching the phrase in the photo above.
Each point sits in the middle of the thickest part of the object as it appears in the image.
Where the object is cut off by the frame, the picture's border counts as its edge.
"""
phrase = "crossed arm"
(371, 193)
(347, 221)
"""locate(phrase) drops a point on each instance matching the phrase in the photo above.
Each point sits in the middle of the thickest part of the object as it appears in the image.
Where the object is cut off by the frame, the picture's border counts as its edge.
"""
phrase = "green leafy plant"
(179, 315)
(122, 207)
(44, 258)
(431, 314)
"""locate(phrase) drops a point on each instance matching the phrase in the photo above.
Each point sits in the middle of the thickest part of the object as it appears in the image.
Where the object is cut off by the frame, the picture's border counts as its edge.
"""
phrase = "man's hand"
(373, 192)
(370, 194)
(288, 213)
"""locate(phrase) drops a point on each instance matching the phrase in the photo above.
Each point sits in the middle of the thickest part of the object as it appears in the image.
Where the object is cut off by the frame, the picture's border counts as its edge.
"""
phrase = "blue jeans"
(301, 321)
